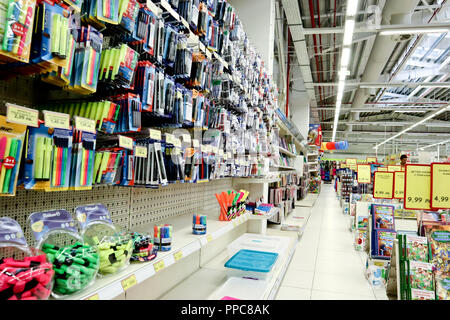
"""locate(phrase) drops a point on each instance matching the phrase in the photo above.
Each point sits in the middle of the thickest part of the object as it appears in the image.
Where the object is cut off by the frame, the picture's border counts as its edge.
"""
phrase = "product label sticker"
(43, 222)
(56, 120)
(22, 115)
(178, 255)
(209, 238)
(141, 152)
(95, 212)
(129, 282)
(158, 266)
(10, 231)
(93, 297)
(84, 124)
(126, 142)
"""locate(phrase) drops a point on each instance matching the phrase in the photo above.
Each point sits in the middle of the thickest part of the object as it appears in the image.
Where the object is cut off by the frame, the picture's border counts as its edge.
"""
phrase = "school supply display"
(232, 204)
(144, 249)
(27, 275)
(199, 224)
(163, 237)
(83, 158)
(113, 247)
(11, 143)
(75, 263)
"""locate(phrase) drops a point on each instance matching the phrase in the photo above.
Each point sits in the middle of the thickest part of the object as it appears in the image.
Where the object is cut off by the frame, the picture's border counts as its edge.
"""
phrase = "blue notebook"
(251, 260)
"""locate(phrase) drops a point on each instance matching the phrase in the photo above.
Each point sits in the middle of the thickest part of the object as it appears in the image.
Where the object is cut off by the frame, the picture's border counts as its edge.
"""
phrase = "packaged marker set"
(25, 272)
(117, 66)
(199, 224)
(75, 262)
(114, 247)
(129, 118)
(144, 248)
(163, 237)
(116, 164)
(151, 171)
(12, 137)
(83, 156)
(16, 27)
(48, 158)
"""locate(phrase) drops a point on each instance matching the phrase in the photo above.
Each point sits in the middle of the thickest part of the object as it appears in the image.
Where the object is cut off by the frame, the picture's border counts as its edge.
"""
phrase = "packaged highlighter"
(11, 143)
(16, 26)
(74, 262)
(25, 272)
(114, 247)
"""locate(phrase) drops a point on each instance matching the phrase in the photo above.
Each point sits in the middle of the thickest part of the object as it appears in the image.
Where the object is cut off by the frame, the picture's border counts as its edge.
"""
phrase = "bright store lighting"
(434, 114)
(403, 111)
(345, 58)
(352, 8)
(348, 32)
(413, 31)
(435, 144)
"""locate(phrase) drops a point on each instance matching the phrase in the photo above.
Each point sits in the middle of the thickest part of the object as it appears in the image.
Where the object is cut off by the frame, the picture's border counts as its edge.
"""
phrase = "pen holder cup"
(198, 229)
(164, 244)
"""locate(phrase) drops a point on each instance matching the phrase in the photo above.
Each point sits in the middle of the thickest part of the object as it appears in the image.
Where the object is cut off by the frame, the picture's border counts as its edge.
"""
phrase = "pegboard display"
(172, 201)
(129, 207)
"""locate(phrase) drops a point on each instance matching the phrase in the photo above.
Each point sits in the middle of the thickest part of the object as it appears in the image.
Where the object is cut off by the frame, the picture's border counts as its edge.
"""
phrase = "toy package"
(11, 144)
(417, 248)
(16, 26)
(114, 247)
(442, 285)
(75, 263)
(25, 272)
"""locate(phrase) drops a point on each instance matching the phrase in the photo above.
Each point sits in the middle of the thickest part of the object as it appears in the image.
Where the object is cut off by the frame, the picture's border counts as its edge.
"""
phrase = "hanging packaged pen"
(170, 45)
(50, 39)
(187, 107)
(91, 54)
(128, 14)
(108, 11)
(107, 166)
(25, 272)
(12, 137)
(183, 60)
(145, 84)
(75, 263)
(16, 30)
(142, 24)
(62, 157)
(177, 113)
(75, 4)
(97, 229)
(162, 177)
(38, 158)
(159, 97)
(83, 157)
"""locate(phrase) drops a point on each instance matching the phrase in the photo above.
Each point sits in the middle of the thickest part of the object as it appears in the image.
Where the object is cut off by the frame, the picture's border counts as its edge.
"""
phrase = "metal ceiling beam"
(443, 124)
(393, 27)
(398, 84)
(395, 108)
(382, 133)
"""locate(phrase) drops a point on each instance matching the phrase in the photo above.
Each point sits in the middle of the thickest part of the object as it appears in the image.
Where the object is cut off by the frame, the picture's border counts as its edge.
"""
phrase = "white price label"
(126, 142)
(155, 134)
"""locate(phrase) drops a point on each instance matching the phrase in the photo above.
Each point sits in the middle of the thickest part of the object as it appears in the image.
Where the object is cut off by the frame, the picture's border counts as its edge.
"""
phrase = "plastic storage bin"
(242, 289)
(251, 264)
(258, 242)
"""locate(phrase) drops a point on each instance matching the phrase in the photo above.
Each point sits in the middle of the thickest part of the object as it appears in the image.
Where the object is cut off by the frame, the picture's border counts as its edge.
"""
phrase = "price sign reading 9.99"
(440, 186)
(417, 187)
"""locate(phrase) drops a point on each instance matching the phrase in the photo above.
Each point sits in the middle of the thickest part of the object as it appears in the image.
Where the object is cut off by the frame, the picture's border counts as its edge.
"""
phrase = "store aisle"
(325, 265)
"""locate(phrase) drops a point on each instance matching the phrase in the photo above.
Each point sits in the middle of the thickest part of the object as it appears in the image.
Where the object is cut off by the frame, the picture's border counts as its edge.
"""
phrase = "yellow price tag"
(22, 115)
(209, 238)
(93, 297)
(372, 160)
(169, 138)
(155, 134)
(235, 223)
(383, 185)
(440, 191)
(394, 168)
(56, 120)
(195, 143)
(127, 283)
(186, 137)
(126, 142)
(84, 124)
(417, 187)
(399, 184)
(382, 169)
(351, 161)
(158, 266)
(141, 152)
(178, 255)
(364, 173)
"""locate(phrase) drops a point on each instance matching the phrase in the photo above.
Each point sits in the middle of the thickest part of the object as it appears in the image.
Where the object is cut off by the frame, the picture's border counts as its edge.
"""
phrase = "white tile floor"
(325, 265)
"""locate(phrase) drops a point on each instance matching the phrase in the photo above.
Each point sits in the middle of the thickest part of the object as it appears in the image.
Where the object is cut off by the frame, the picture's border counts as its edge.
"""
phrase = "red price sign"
(9, 162)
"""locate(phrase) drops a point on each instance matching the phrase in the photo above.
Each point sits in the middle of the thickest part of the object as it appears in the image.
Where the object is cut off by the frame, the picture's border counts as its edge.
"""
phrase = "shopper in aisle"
(403, 160)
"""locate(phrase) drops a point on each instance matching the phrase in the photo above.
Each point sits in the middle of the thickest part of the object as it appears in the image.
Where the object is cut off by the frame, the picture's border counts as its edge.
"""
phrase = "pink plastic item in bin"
(229, 298)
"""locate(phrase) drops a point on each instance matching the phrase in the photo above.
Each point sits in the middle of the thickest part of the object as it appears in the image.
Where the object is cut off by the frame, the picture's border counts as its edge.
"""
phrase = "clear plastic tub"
(251, 264)
(242, 289)
(258, 242)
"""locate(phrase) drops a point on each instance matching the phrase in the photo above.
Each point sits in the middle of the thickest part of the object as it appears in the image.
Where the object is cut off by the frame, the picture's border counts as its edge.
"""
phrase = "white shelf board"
(255, 180)
(286, 152)
(109, 287)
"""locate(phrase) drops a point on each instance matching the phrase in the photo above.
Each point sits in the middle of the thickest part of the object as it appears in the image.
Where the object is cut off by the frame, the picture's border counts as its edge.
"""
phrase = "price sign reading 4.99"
(364, 173)
(440, 185)
(383, 185)
(417, 187)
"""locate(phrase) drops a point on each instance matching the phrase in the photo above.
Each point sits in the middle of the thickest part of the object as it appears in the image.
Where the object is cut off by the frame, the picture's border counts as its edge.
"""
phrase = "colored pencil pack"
(12, 137)
(16, 26)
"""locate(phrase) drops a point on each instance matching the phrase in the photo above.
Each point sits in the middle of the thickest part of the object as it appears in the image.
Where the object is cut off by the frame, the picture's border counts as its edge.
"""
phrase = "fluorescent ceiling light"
(403, 111)
(352, 7)
(413, 31)
(435, 144)
(434, 114)
(348, 32)
(345, 57)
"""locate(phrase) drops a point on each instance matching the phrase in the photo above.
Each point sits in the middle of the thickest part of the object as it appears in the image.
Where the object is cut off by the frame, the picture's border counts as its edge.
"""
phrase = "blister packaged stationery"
(75, 263)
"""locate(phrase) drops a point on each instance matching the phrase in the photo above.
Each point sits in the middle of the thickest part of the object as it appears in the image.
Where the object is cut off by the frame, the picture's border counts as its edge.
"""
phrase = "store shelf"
(310, 163)
(286, 168)
(184, 241)
(255, 180)
(286, 152)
